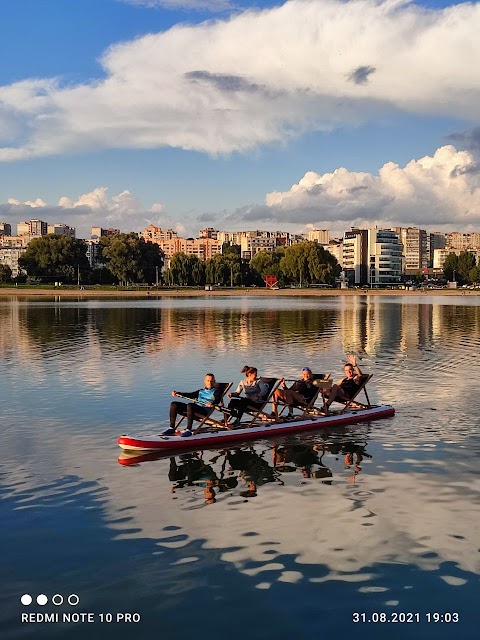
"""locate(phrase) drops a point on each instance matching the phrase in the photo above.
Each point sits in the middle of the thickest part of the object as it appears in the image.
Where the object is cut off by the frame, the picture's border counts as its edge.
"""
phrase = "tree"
(466, 262)
(233, 249)
(309, 262)
(450, 265)
(185, 270)
(129, 258)
(267, 263)
(217, 270)
(5, 273)
(459, 267)
(55, 256)
(474, 275)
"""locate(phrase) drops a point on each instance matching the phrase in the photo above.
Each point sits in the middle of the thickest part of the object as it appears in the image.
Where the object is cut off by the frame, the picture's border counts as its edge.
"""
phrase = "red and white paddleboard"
(257, 432)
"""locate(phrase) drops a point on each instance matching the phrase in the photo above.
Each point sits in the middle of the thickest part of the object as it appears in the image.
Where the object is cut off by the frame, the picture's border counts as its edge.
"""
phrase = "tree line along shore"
(127, 259)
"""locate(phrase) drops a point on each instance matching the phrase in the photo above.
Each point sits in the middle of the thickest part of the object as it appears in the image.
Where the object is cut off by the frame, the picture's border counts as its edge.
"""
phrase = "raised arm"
(353, 361)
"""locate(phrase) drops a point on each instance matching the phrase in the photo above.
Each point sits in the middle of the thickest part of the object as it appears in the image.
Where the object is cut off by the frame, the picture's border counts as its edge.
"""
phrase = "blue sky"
(134, 113)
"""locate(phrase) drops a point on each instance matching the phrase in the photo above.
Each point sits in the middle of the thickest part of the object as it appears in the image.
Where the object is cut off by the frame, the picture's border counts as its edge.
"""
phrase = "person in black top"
(301, 392)
(346, 388)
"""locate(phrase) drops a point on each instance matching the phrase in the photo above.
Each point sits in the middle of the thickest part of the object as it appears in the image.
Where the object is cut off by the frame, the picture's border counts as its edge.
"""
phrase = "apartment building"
(462, 241)
(9, 256)
(5, 229)
(100, 232)
(355, 256)
(385, 255)
(157, 234)
(322, 236)
(35, 228)
(61, 230)
(415, 248)
(372, 257)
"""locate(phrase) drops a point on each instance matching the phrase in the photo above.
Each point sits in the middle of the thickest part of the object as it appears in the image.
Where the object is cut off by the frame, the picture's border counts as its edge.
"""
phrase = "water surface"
(275, 540)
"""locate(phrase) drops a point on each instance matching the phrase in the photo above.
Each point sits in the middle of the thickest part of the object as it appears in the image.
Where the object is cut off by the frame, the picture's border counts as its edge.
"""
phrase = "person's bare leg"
(279, 395)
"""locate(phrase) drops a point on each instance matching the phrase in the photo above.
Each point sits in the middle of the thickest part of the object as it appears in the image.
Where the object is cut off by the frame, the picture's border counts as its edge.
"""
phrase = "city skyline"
(298, 115)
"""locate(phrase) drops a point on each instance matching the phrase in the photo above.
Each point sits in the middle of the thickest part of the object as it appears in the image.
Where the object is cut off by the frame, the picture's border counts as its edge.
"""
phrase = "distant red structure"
(271, 282)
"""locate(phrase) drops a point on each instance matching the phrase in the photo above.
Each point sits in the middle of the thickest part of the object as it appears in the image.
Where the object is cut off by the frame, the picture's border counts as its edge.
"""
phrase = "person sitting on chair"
(205, 398)
(301, 392)
(346, 388)
(255, 391)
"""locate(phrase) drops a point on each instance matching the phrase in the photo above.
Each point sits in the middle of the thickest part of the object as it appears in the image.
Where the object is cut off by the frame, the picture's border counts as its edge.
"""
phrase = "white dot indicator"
(57, 599)
(42, 599)
(73, 599)
(26, 599)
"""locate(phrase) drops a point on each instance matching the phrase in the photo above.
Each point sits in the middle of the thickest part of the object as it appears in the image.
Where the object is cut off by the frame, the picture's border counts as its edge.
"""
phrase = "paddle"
(217, 407)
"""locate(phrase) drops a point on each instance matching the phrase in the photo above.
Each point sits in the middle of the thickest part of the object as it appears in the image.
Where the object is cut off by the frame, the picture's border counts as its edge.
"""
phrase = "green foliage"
(54, 256)
(474, 275)
(185, 270)
(310, 263)
(131, 259)
(267, 263)
(466, 262)
(450, 265)
(234, 249)
(5, 273)
(463, 266)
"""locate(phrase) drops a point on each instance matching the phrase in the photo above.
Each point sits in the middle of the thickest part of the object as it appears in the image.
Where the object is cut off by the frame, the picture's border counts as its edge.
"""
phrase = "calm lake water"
(280, 540)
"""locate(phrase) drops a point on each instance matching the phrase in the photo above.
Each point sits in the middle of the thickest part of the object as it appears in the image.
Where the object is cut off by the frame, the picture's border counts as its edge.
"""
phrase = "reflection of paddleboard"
(206, 439)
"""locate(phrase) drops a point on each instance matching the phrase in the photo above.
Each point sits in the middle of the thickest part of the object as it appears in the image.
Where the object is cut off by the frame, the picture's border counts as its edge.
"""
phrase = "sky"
(240, 115)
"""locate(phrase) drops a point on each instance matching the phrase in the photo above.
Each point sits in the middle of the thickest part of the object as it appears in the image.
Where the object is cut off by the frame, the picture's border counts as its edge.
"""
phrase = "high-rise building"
(355, 256)
(157, 234)
(335, 247)
(38, 228)
(99, 232)
(5, 229)
(34, 228)
(385, 254)
(209, 232)
(9, 256)
(462, 241)
(322, 236)
(23, 228)
(436, 240)
(61, 230)
(415, 248)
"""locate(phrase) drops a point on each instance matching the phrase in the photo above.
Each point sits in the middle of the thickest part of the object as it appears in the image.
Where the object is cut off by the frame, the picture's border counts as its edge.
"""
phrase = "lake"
(371, 530)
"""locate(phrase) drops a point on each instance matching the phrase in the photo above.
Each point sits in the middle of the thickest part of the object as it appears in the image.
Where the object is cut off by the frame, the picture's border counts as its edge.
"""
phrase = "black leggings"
(191, 410)
(238, 406)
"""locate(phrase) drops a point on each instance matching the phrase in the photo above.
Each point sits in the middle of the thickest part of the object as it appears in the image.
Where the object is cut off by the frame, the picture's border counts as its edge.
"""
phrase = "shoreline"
(257, 292)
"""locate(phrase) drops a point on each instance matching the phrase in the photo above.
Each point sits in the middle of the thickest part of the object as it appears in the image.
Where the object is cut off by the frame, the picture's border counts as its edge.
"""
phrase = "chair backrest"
(320, 376)
(364, 378)
(224, 387)
(271, 382)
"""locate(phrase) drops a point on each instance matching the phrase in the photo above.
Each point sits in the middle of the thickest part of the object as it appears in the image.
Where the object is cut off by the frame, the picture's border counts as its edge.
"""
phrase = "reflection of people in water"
(305, 457)
(193, 471)
(359, 452)
(254, 470)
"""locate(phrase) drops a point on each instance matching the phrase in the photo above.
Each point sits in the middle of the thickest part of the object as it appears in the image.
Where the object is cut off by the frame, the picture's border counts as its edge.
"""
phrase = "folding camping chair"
(272, 387)
(364, 379)
(224, 387)
(321, 381)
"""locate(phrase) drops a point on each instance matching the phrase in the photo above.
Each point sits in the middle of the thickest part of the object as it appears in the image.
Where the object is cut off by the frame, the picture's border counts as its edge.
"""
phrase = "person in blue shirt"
(205, 401)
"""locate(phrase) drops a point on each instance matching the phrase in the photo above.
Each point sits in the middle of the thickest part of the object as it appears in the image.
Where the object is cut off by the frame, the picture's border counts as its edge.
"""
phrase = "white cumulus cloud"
(434, 191)
(254, 78)
(95, 208)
